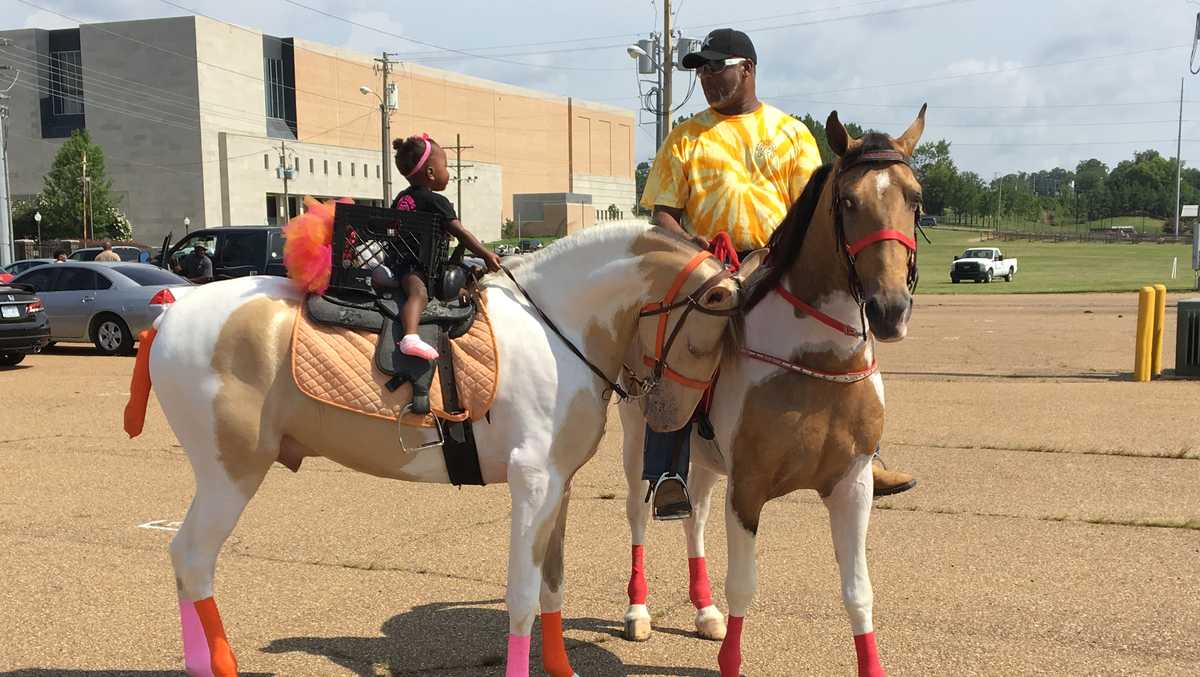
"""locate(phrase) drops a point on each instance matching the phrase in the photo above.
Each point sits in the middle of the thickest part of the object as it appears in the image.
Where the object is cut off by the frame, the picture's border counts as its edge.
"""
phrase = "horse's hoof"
(710, 624)
(637, 623)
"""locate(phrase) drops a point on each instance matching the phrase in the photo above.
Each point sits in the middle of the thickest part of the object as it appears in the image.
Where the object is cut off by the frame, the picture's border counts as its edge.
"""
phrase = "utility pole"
(1179, 159)
(665, 104)
(458, 148)
(285, 172)
(6, 232)
(387, 103)
(87, 199)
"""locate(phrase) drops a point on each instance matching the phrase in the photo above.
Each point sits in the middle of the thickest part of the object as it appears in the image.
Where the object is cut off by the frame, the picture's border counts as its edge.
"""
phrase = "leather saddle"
(449, 314)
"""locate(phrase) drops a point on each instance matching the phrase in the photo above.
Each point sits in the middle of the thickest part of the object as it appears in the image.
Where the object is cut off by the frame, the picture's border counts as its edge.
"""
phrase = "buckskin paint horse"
(800, 404)
(220, 365)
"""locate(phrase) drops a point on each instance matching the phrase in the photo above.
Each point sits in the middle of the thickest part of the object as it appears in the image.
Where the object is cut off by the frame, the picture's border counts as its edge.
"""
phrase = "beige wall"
(538, 141)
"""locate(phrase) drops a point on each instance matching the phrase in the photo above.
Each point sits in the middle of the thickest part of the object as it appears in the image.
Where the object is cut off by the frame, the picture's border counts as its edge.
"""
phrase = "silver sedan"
(107, 304)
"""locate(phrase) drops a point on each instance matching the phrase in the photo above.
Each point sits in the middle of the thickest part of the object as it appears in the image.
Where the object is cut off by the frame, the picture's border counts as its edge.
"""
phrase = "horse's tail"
(139, 386)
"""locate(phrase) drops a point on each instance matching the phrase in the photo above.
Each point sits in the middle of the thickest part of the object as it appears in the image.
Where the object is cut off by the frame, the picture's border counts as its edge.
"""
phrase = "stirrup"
(676, 510)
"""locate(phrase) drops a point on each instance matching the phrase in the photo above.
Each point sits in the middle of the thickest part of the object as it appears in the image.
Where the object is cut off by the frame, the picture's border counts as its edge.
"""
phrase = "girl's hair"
(409, 152)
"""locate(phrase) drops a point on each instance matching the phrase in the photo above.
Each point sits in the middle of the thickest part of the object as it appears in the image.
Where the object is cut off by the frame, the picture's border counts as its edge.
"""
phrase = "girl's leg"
(414, 305)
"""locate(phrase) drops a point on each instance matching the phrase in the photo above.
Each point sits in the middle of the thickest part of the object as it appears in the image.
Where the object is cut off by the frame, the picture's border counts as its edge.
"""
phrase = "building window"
(66, 82)
(326, 163)
(352, 166)
(276, 88)
(312, 166)
(365, 174)
(297, 165)
(266, 162)
(377, 171)
(339, 167)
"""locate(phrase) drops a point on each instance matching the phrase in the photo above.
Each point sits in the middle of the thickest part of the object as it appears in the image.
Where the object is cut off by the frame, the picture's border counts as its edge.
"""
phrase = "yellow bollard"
(1160, 316)
(1145, 332)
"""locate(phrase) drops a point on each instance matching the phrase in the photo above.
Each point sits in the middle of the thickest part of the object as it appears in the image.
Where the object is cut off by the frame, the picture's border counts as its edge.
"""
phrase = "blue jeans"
(668, 452)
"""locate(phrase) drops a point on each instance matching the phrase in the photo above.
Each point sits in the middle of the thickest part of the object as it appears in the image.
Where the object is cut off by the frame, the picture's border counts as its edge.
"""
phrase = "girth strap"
(458, 437)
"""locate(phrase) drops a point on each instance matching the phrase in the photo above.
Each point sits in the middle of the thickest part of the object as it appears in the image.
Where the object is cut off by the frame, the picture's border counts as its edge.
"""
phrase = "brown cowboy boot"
(889, 482)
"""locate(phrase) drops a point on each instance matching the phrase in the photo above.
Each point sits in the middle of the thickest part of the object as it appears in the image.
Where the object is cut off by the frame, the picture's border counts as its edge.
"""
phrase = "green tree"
(639, 177)
(62, 195)
(818, 131)
(937, 174)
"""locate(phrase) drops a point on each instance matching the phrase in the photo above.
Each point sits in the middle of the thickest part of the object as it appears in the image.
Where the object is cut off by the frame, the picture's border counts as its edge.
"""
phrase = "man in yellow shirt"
(736, 167)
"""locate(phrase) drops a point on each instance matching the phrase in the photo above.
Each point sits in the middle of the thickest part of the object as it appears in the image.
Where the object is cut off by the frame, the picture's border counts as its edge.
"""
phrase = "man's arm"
(669, 218)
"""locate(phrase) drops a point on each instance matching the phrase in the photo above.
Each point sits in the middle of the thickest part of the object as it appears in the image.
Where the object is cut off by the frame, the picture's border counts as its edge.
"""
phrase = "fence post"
(1145, 333)
(1160, 316)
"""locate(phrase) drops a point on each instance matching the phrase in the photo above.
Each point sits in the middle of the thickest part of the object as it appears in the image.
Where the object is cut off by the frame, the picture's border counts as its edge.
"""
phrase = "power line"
(434, 46)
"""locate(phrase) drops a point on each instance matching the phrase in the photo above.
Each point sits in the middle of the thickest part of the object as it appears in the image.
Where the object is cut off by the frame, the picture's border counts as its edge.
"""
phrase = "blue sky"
(1013, 84)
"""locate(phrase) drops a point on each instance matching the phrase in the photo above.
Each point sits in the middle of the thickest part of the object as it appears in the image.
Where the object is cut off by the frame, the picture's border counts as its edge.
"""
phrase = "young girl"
(423, 163)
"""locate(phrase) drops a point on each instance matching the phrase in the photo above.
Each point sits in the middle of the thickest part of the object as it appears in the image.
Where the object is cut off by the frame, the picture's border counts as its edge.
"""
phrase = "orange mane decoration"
(307, 249)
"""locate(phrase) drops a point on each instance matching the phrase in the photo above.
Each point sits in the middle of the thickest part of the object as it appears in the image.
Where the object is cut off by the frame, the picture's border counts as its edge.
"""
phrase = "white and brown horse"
(800, 404)
(221, 366)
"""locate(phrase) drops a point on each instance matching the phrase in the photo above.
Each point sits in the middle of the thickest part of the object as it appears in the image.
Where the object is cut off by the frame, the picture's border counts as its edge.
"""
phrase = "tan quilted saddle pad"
(335, 365)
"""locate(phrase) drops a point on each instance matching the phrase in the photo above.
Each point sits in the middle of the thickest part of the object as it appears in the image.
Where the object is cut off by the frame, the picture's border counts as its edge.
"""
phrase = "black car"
(24, 327)
(235, 251)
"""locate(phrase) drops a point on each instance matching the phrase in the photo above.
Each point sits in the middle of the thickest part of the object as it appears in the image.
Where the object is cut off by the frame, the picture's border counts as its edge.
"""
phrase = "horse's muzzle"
(888, 315)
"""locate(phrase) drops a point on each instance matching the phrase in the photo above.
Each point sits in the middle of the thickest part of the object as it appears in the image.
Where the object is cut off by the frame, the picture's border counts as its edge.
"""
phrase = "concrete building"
(195, 117)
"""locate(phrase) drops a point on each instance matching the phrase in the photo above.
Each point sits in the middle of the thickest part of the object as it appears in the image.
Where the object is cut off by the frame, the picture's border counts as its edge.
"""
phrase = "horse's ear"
(908, 140)
(835, 132)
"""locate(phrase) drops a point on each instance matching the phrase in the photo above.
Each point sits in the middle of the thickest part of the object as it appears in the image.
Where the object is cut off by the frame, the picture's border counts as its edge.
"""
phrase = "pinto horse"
(220, 363)
(800, 404)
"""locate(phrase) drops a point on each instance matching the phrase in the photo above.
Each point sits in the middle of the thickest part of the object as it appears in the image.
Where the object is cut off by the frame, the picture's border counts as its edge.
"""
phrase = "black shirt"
(421, 199)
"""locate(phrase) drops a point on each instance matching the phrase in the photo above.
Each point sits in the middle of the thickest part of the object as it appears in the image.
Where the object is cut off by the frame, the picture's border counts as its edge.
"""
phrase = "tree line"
(1143, 185)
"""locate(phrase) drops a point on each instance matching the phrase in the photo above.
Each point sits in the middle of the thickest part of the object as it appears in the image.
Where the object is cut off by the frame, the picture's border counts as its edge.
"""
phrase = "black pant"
(668, 452)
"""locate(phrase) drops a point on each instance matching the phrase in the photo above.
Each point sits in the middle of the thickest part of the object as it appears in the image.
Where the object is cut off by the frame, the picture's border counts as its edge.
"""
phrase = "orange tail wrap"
(139, 386)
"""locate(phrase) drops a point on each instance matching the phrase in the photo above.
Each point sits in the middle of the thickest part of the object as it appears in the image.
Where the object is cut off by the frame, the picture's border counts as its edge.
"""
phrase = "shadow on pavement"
(62, 672)
(463, 638)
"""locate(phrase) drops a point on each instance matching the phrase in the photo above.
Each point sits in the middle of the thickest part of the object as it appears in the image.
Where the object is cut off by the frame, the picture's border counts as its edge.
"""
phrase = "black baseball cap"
(723, 43)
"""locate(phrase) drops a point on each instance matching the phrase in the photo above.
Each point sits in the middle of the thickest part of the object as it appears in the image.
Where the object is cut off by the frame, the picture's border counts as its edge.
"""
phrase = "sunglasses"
(716, 66)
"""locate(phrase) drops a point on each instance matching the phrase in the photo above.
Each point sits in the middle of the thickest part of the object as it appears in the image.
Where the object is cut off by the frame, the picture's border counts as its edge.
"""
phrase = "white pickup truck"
(982, 264)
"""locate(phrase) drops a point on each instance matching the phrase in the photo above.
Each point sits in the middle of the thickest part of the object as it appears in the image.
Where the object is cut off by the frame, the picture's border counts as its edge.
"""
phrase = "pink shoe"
(412, 345)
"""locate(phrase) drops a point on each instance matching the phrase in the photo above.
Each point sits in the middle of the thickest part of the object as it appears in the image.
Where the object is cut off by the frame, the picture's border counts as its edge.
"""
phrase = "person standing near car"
(108, 255)
(196, 266)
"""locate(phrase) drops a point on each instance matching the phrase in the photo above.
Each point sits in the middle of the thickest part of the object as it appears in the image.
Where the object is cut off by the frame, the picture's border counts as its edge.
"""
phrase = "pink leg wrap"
(518, 656)
(730, 656)
(637, 579)
(868, 656)
(698, 588)
(196, 659)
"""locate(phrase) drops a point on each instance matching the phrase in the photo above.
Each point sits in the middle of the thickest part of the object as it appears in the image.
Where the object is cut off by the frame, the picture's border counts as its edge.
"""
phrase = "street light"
(38, 219)
(186, 223)
(385, 118)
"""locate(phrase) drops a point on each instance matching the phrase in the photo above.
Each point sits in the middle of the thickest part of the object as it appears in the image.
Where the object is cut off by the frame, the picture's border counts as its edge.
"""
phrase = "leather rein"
(663, 341)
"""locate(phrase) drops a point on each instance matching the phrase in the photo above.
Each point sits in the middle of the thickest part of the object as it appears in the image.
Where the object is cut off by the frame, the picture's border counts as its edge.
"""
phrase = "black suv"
(23, 325)
(236, 251)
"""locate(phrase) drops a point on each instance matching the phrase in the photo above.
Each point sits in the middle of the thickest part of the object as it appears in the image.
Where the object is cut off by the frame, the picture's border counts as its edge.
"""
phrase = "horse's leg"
(535, 504)
(554, 651)
(215, 509)
(849, 512)
(741, 581)
(710, 623)
(637, 511)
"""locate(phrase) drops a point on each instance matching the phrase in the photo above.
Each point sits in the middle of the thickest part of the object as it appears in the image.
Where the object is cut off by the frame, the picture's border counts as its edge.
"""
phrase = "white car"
(982, 264)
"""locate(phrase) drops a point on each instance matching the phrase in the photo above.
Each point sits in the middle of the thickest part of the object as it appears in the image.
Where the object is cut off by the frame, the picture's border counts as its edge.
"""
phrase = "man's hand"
(700, 241)
(492, 261)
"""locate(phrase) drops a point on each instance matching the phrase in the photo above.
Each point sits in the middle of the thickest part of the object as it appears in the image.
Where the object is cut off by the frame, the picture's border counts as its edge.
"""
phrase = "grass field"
(1044, 267)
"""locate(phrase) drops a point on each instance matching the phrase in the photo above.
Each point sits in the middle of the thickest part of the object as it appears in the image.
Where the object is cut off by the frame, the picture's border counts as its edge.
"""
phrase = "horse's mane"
(788, 239)
(585, 236)
(785, 243)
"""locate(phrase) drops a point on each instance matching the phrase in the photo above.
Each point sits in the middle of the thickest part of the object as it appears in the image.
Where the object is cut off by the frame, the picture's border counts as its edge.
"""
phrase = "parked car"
(928, 221)
(525, 246)
(505, 250)
(107, 304)
(24, 327)
(236, 251)
(18, 267)
(982, 264)
(126, 253)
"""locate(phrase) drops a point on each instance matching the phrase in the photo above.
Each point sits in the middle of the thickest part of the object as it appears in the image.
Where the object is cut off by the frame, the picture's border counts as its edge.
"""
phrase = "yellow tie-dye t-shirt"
(738, 173)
